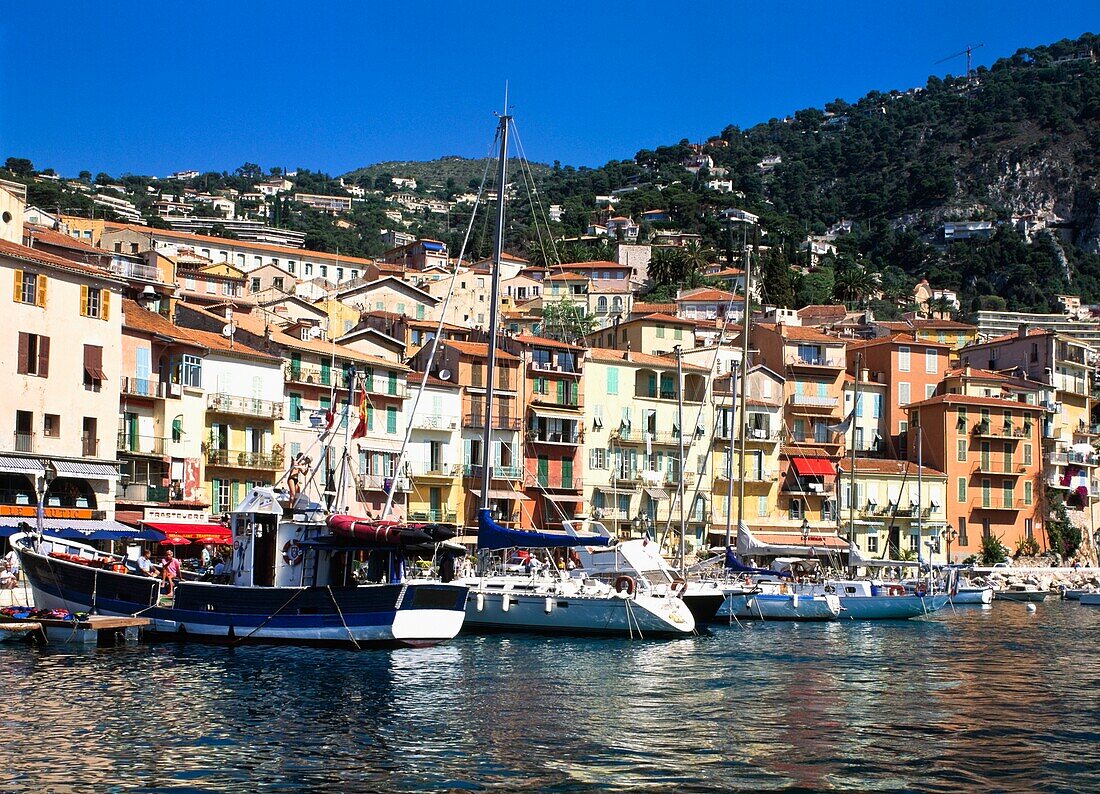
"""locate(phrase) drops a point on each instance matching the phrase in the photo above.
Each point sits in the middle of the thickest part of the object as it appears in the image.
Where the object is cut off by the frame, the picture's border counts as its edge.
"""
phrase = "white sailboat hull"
(781, 606)
(496, 609)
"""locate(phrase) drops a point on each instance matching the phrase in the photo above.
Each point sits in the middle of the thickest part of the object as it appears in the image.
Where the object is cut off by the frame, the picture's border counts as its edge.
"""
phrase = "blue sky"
(154, 87)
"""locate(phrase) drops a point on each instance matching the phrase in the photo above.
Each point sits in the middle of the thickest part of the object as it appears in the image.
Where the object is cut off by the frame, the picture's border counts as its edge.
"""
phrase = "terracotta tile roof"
(1009, 337)
(926, 323)
(900, 468)
(827, 310)
(800, 333)
(38, 257)
(965, 399)
(899, 339)
(608, 356)
(707, 294)
(50, 237)
(417, 377)
(298, 253)
(217, 342)
(567, 276)
(141, 319)
(480, 349)
(658, 317)
(729, 271)
(609, 285)
(600, 265)
(538, 341)
(259, 323)
(641, 307)
(980, 374)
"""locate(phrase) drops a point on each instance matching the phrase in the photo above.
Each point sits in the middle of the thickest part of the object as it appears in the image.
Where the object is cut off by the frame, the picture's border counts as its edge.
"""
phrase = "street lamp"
(950, 533)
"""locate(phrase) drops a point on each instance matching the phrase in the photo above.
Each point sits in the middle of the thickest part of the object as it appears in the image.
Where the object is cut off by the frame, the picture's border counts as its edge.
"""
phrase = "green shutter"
(295, 408)
(652, 384)
(566, 473)
(544, 471)
(392, 382)
(296, 365)
(612, 380)
(561, 392)
(370, 417)
(234, 495)
(326, 372)
(391, 419)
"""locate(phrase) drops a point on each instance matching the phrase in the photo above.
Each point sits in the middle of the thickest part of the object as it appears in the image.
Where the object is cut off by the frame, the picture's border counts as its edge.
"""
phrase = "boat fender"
(794, 601)
(480, 602)
(505, 602)
(292, 552)
(625, 584)
(896, 590)
(549, 605)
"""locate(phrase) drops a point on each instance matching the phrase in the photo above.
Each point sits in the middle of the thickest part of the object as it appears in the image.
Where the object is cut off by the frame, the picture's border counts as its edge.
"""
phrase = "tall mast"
(852, 475)
(498, 249)
(746, 325)
(345, 459)
(729, 459)
(680, 468)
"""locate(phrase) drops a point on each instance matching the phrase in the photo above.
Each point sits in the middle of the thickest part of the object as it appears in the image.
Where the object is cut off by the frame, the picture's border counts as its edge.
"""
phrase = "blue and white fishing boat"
(292, 581)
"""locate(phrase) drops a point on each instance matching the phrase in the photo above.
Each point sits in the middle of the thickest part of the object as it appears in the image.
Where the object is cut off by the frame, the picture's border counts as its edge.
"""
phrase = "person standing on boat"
(207, 556)
(170, 569)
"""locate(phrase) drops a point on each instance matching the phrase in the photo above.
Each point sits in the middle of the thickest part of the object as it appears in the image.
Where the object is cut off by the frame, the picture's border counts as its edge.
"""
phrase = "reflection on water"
(981, 698)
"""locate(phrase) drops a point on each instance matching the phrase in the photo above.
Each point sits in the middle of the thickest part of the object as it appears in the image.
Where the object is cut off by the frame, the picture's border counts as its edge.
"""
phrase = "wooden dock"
(92, 630)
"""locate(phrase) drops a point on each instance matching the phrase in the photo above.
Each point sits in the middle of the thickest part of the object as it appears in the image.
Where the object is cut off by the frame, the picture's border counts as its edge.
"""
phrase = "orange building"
(812, 365)
(990, 450)
(910, 368)
(553, 426)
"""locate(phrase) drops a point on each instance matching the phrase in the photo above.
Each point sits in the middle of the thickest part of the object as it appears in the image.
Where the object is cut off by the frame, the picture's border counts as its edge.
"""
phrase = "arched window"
(601, 304)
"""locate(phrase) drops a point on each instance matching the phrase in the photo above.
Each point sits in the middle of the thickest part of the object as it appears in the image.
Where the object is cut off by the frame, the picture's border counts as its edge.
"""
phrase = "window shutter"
(42, 291)
(17, 292)
(43, 356)
(105, 309)
(24, 346)
(84, 300)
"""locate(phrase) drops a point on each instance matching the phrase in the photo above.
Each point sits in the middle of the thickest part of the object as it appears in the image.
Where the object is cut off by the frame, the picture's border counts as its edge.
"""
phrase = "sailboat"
(295, 578)
(545, 598)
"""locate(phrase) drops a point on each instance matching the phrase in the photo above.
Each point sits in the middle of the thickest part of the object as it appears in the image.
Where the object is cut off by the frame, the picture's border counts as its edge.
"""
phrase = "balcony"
(421, 469)
(138, 270)
(146, 492)
(315, 376)
(823, 361)
(1008, 432)
(550, 367)
(996, 502)
(144, 387)
(435, 422)
(548, 437)
(244, 406)
(384, 387)
(434, 516)
(140, 445)
(498, 473)
(244, 460)
(762, 435)
(477, 421)
(24, 442)
(557, 482)
(632, 436)
(814, 401)
(89, 447)
(380, 482)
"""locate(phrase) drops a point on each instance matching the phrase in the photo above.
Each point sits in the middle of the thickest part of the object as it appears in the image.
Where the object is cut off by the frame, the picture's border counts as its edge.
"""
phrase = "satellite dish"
(228, 330)
(444, 374)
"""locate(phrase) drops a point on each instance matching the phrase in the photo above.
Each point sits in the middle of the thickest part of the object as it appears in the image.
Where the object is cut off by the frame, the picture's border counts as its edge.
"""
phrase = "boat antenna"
(498, 250)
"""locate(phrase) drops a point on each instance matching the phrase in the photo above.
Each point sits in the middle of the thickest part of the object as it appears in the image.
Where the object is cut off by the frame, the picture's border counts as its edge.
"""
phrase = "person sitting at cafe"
(170, 570)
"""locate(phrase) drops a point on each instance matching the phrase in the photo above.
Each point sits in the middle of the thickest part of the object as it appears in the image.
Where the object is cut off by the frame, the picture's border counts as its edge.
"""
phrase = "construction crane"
(968, 52)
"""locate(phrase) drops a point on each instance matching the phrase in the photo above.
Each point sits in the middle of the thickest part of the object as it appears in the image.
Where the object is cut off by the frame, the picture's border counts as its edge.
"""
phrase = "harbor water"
(998, 698)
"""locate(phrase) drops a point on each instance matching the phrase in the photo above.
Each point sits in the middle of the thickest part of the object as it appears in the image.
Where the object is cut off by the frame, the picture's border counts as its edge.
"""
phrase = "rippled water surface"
(997, 698)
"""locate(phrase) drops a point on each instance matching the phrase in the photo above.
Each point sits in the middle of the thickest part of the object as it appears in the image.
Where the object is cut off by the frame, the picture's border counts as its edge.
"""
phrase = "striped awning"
(656, 493)
(555, 413)
(502, 495)
(16, 465)
(99, 471)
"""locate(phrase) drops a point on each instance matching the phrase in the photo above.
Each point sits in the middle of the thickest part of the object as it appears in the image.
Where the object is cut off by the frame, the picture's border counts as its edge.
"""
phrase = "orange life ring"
(896, 590)
(625, 584)
(118, 567)
(292, 552)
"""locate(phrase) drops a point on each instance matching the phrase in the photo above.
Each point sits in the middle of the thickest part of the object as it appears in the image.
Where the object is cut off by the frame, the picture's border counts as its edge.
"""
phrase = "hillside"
(1015, 145)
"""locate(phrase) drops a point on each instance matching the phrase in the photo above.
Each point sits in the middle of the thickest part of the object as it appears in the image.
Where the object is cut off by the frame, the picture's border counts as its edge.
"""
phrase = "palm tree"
(854, 284)
(667, 266)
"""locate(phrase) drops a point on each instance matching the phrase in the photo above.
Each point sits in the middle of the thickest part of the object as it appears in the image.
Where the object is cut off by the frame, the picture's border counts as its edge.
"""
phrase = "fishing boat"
(966, 592)
(1024, 593)
(293, 581)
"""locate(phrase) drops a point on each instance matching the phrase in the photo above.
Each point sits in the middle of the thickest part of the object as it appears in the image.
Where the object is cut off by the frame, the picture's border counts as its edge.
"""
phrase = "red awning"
(192, 531)
(815, 540)
(813, 467)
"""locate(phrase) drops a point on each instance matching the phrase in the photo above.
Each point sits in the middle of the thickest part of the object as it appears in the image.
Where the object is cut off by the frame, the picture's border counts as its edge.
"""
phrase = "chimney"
(1021, 331)
(966, 371)
(626, 356)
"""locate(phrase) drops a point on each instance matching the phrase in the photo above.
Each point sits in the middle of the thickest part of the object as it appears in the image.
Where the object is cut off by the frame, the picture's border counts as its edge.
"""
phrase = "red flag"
(330, 419)
(361, 430)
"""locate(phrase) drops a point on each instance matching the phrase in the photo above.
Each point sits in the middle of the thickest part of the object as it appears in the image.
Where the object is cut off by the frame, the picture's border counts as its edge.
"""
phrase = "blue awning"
(433, 246)
(78, 529)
